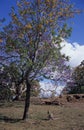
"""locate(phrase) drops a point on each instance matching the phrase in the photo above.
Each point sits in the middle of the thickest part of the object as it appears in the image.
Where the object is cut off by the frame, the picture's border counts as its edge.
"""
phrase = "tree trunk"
(27, 101)
(17, 92)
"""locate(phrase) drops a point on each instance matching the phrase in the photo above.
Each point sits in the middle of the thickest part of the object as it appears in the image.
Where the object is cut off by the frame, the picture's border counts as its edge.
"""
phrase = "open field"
(67, 117)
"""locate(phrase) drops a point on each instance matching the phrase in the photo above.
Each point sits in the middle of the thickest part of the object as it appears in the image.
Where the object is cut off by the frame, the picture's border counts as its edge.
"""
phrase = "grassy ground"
(67, 117)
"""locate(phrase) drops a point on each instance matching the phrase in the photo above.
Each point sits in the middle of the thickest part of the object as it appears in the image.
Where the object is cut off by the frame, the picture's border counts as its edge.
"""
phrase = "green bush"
(5, 93)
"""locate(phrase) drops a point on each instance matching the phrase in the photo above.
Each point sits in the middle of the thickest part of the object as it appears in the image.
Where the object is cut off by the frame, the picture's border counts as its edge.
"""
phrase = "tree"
(5, 92)
(78, 78)
(12, 75)
(32, 38)
(76, 82)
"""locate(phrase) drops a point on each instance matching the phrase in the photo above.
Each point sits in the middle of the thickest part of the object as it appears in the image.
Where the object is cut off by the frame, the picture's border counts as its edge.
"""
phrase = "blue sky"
(76, 23)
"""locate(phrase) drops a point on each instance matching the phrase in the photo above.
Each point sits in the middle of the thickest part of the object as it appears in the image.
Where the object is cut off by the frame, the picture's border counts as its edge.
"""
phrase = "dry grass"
(68, 117)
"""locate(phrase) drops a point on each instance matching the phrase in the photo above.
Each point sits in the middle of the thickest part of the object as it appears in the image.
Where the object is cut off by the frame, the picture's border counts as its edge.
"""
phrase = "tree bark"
(27, 101)
(17, 92)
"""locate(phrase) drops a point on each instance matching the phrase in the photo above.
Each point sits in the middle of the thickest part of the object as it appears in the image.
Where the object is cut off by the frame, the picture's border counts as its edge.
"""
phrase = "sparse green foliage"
(76, 85)
(5, 93)
(78, 77)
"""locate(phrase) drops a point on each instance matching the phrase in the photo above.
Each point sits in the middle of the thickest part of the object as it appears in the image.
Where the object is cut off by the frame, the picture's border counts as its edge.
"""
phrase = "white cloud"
(75, 51)
(47, 88)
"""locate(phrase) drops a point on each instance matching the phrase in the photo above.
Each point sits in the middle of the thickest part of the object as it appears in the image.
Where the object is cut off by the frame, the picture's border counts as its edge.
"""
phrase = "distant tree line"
(76, 84)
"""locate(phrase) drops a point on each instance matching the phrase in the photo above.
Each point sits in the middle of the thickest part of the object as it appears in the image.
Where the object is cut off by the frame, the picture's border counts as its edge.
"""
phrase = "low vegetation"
(69, 116)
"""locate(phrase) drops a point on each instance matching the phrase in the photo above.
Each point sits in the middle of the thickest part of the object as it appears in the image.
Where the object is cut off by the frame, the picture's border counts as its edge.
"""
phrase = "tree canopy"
(78, 78)
(76, 82)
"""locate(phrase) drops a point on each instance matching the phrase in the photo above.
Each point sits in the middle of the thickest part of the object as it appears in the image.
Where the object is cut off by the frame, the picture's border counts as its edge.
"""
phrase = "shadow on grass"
(45, 119)
(9, 120)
